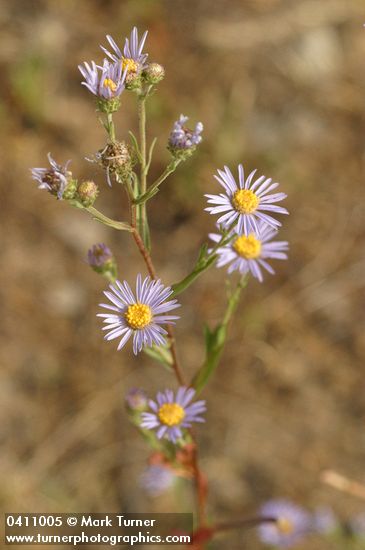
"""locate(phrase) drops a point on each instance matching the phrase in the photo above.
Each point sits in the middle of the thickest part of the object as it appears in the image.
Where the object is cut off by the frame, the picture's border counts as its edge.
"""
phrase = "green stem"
(154, 187)
(110, 126)
(216, 339)
(141, 210)
(204, 262)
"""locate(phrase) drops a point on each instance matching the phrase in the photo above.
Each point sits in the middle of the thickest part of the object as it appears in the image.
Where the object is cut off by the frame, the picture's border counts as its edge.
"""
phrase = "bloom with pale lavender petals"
(247, 202)
(156, 479)
(292, 523)
(248, 253)
(106, 82)
(172, 413)
(140, 315)
(56, 179)
(183, 138)
(132, 59)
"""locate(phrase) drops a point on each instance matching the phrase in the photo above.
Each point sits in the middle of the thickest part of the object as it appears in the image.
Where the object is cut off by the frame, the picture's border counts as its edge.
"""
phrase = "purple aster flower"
(171, 414)
(106, 82)
(140, 315)
(248, 253)
(292, 524)
(54, 179)
(156, 479)
(183, 138)
(98, 255)
(247, 202)
(136, 399)
(132, 57)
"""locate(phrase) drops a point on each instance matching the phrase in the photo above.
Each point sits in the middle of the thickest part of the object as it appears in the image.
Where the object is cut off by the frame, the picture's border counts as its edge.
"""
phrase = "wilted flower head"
(292, 523)
(132, 59)
(136, 399)
(156, 479)
(248, 253)
(140, 315)
(115, 158)
(172, 413)
(183, 139)
(247, 202)
(56, 179)
(106, 82)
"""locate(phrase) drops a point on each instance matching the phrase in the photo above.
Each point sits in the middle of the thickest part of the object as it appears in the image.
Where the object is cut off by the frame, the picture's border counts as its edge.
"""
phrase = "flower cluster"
(242, 212)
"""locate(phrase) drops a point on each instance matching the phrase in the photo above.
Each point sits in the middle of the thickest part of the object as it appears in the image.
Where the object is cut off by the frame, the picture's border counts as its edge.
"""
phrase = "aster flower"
(140, 315)
(54, 179)
(248, 253)
(132, 59)
(246, 202)
(136, 399)
(183, 138)
(172, 413)
(292, 524)
(156, 479)
(99, 255)
(106, 82)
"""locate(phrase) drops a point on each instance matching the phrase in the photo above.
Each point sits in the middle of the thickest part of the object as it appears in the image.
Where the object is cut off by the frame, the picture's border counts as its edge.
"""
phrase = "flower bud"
(100, 258)
(153, 73)
(183, 141)
(133, 81)
(87, 191)
(136, 400)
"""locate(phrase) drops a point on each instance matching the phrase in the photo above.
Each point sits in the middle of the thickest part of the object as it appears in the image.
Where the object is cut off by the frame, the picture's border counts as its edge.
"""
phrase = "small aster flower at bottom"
(292, 523)
(247, 202)
(139, 315)
(172, 413)
(248, 253)
(183, 139)
(56, 179)
(100, 257)
(156, 479)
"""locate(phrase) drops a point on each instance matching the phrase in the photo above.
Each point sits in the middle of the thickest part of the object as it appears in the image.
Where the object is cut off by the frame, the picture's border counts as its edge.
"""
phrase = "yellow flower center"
(129, 64)
(284, 526)
(247, 247)
(245, 201)
(138, 316)
(171, 414)
(109, 83)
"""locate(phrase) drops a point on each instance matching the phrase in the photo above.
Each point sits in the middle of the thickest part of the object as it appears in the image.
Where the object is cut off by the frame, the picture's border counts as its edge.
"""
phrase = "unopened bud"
(153, 73)
(87, 191)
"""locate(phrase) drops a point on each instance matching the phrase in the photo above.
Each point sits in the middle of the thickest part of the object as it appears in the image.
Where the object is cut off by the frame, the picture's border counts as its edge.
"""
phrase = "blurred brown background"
(279, 85)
